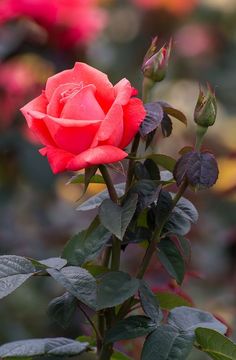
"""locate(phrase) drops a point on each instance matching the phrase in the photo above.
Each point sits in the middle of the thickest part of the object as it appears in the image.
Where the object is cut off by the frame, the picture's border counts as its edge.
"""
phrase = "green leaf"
(62, 309)
(114, 288)
(14, 271)
(78, 282)
(95, 201)
(87, 244)
(217, 346)
(80, 178)
(171, 259)
(37, 347)
(165, 161)
(169, 301)
(189, 319)
(175, 113)
(119, 356)
(55, 263)
(130, 328)
(149, 303)
(167, 343)
(116, 218)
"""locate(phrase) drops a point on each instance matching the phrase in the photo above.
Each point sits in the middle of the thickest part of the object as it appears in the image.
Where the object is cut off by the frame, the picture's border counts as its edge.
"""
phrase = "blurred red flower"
(177, 7)
(67, 22)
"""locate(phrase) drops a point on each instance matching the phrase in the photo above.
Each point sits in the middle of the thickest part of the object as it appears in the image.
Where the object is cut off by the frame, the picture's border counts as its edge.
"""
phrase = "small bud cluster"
(155, 62)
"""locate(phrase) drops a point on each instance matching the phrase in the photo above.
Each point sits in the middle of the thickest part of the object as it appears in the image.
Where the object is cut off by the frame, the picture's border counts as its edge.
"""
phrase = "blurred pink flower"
(67, 22)
(18, 83)
(177, 7)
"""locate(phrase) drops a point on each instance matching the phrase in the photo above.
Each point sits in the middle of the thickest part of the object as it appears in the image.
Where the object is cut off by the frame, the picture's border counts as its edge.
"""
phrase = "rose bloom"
(177, 7)
(68, 22)
(83, 120)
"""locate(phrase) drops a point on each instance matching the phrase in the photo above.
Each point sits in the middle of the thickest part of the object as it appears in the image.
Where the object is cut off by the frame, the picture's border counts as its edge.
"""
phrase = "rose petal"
(55, 105)
(88, 75)
(37, 126)
(111, 129)
(83, 105)
(63, 122)
(134, 114)
(123, 91)
(99, 155)
(57, 158)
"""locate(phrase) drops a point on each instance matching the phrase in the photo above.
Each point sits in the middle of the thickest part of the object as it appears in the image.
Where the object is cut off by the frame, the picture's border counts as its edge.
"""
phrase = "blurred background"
(38, 210)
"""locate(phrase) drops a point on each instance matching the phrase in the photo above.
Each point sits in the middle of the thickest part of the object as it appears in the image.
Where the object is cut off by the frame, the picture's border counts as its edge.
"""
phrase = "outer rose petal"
(58, 159)
(38, 126)
(111, 129)
(99, 155)
(123, 91)
(88, 75)
(134, 114)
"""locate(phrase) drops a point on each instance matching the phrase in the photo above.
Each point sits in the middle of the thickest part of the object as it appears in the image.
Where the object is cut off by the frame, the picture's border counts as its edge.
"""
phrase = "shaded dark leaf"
(87, 244)
(114, 288)
(166, 125)
(148, 192)
(130, 328)
(153, 170)
(177, 224)
(116, 218)
(171, 259)
(14, 271)
(167, 343)
(153, 118)
(185, 208)
(149, 303)
(200, 169)
(62, 309)
(95, 201)
(78, 282)
(37, 347)
(189, 319)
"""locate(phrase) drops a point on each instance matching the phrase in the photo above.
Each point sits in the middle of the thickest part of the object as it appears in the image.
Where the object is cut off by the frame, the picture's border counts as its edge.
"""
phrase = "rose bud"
(206, 108)
(155, 62)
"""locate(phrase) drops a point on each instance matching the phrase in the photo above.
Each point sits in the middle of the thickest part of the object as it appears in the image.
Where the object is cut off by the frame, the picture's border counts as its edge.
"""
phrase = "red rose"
(83, 120)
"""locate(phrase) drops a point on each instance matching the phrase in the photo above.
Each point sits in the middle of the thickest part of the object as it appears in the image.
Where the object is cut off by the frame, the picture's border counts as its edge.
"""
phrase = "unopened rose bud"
(206, 108)
(155, 62)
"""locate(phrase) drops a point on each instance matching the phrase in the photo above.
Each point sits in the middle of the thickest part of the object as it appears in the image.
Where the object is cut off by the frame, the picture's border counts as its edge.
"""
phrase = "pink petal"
(111, 129)
(83, 105)
(88, 75)
(134, 114)
(123, 91)
(55, 106)
(57, 158)
(37, 126)
(96, 156)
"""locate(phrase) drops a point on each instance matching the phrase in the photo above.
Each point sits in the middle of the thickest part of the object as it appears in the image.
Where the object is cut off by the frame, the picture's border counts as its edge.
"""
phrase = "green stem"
(106, 352)
(97, 332)
(200, 132)
(133, 153)
(110, 186)
(125, 308)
